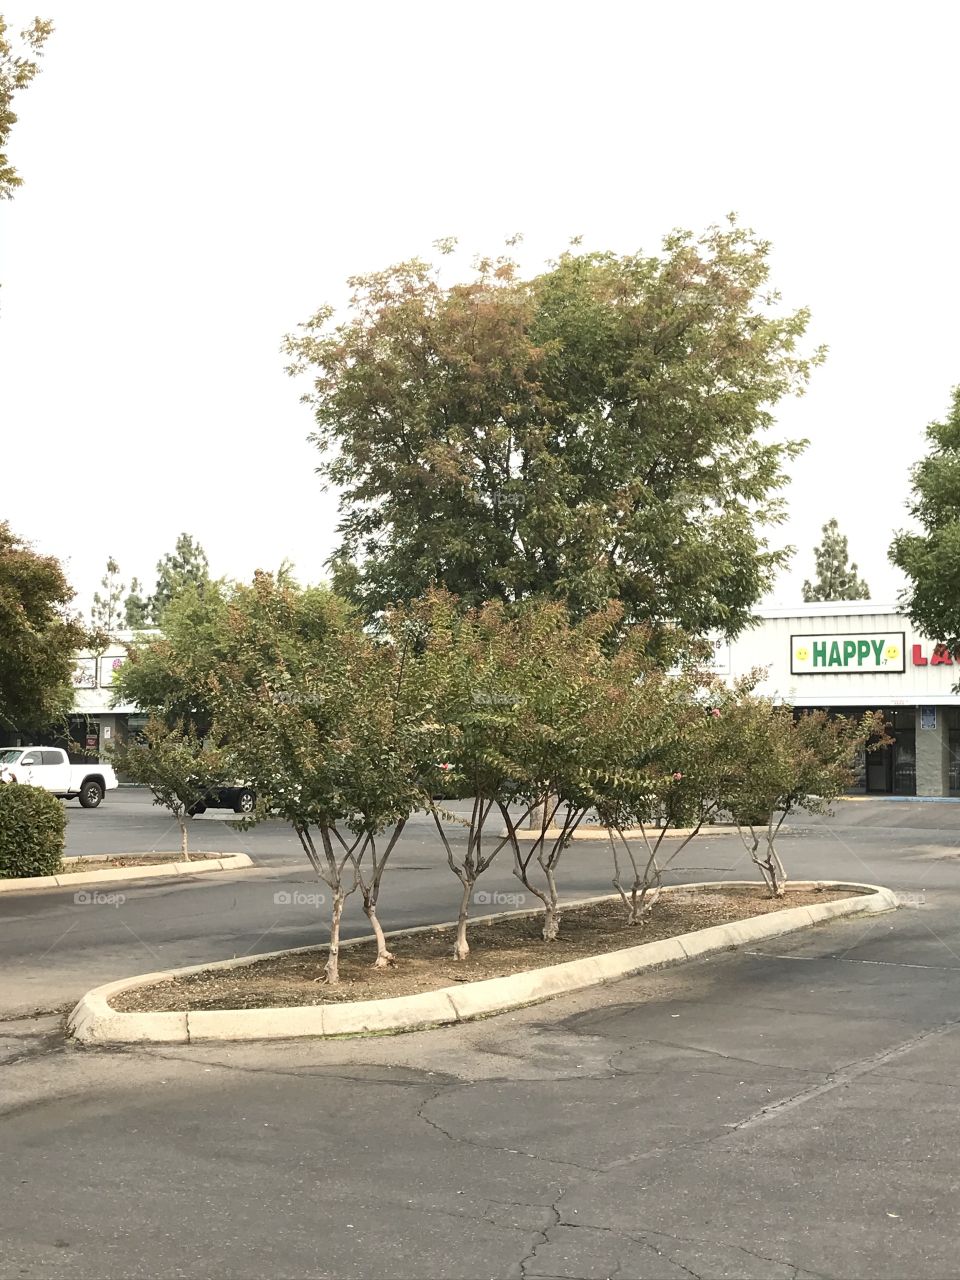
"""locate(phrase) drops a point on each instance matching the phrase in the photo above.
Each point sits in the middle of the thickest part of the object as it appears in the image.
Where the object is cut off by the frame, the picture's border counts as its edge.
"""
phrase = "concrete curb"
(228, 862)
(95, 1022)
(633, 833)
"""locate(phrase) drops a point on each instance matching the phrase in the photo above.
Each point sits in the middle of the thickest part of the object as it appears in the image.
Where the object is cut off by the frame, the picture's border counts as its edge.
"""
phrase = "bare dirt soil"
(132, 860)
(424, 961)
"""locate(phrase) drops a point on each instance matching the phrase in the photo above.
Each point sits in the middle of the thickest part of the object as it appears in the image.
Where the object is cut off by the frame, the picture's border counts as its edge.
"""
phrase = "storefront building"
(95, 724)
(854, 656)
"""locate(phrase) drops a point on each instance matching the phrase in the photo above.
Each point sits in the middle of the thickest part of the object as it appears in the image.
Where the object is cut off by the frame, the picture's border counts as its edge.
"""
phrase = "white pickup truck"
(50, 768)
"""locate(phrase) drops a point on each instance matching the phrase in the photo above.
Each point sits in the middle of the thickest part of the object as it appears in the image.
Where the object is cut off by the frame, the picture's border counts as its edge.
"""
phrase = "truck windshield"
(8, 757)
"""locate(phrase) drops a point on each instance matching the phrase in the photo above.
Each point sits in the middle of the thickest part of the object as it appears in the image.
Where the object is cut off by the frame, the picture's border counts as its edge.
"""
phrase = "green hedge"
(32, 826)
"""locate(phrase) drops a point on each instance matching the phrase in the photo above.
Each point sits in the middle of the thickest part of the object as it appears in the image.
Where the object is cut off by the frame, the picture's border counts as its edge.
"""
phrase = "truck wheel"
(196, 809)
(91, 793)
(245, 802)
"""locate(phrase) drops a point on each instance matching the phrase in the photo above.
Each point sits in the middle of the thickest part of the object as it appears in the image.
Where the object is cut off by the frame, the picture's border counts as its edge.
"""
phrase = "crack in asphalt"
(310, 1070)
(487, 1146)
(713, 1053)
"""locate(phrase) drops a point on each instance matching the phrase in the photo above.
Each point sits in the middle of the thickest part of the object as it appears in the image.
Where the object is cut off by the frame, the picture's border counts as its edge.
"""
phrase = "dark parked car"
(239, 798)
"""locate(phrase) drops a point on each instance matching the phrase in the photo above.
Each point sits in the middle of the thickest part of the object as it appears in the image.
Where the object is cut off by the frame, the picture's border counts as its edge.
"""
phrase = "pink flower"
(677, 777)
(715, 712)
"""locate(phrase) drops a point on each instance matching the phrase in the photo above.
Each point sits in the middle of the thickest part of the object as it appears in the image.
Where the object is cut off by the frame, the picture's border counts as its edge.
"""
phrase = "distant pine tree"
(836, 579)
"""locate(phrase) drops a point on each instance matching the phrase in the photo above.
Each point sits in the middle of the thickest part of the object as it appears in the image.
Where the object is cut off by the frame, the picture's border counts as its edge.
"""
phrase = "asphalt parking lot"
(784, 1111)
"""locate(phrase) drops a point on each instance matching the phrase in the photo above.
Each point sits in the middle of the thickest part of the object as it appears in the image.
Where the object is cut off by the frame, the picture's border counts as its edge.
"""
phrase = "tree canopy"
(931, 557)
(38, 636)
(17, 69)
(836, 578)
(593, 432)
(185, 566)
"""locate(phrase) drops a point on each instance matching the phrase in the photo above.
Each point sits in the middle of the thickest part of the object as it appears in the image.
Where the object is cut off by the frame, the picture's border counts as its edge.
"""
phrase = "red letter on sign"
(918, 659)
(940, 657)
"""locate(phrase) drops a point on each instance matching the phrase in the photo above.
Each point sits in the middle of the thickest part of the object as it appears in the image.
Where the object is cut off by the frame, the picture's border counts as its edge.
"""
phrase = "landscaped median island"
(509, 965)
(106, 868)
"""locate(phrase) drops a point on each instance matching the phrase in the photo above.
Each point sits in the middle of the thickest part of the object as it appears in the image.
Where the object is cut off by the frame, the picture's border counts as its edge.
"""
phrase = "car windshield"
(8, 757)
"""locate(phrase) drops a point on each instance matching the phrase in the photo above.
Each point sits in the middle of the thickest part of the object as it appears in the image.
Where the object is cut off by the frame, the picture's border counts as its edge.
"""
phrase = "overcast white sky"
(201, 176)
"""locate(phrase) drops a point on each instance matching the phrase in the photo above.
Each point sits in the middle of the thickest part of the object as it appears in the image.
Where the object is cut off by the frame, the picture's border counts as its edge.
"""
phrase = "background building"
(853, 656)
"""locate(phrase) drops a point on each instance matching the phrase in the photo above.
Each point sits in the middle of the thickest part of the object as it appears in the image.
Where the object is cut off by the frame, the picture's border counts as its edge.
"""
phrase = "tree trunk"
(461, 948)
(536, 817)
(184, 851)
(331, 970)
(551, 915)
(385, 957)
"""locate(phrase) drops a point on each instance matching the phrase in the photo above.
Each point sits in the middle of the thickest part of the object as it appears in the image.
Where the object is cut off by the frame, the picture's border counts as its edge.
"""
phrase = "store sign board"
(719, 662)
(847, 653)
(107, 667)
(85, 673)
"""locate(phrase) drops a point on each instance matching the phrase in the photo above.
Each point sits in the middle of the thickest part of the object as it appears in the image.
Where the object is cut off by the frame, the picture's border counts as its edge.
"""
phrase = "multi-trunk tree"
(781, 763)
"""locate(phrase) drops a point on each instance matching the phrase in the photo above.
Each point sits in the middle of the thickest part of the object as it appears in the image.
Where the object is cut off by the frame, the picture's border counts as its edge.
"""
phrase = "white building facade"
(854, 656)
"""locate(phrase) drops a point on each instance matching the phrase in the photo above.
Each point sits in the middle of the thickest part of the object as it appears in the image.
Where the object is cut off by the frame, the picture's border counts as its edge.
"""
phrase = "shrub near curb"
(32, 828)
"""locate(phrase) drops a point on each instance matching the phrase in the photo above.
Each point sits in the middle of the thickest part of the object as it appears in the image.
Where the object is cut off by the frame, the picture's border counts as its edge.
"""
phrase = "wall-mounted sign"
(928, 717)
(85, 673)
(720, 658)
(851, 653)
(717, 660)
(107, 667)
(939, 656)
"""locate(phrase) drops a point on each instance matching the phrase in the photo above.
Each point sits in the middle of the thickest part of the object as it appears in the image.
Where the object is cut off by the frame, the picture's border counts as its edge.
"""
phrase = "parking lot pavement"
(783, 1113)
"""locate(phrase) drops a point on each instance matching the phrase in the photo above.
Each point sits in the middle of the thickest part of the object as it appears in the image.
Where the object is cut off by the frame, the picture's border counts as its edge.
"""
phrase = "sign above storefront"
(850, 653)
(85, 673)
(939, 656)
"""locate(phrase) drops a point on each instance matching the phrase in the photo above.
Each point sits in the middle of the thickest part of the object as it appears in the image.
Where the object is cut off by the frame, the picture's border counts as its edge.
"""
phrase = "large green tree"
(38, 636)
(837, 578)
(18, 66)
(185, 566)
(595, 431)
(930, 557)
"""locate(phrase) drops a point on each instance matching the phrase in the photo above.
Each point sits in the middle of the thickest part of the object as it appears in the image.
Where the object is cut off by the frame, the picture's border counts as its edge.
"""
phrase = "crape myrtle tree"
(580, 717)
(473, 665)
(178, 765)
(320, 718)
(672, 777)
(930, 555)
(178, 755)
(38, 636)
(595, 431)
(782, 763)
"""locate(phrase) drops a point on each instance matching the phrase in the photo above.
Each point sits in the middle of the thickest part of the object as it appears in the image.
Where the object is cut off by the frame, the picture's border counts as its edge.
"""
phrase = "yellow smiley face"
(802, 654)
(892, 652)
